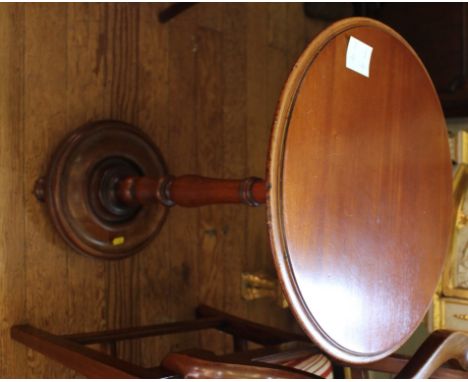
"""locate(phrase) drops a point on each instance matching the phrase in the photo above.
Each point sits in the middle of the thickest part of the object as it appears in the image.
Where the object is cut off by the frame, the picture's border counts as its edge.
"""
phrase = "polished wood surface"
(441, 346)
(79, 189)
(262, 362)
(70, 350)
(88, 362)
(189, 366)
(107, 190)
(191, 191)
(393, 364)
(66, 65)
(428, 361)
(62, 65)
(360, 203)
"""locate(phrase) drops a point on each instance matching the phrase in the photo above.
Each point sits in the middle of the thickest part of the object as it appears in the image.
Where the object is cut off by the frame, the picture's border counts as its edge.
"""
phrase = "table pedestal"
(108, 190)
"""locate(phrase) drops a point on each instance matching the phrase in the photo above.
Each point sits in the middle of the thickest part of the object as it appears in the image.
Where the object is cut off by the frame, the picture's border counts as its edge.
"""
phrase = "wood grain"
(182, 223)
(360, 230)
(201, 368)
(46, 255)
(258, 126)
(153, 93)
(265, 78)
(85, 91)
(210, 144)
(234, 150)
(120, 65)
(66, 64)
(12, 218)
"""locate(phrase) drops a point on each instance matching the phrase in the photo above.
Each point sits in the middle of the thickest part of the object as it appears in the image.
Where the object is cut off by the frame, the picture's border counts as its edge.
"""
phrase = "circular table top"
(360, 200)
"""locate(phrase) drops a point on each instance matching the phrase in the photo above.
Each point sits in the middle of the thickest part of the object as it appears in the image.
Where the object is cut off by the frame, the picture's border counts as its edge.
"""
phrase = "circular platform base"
(79, 189)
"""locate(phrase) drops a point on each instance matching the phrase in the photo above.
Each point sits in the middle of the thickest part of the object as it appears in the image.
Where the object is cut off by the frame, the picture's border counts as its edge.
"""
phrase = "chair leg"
(70, 350)
(145, 331)
(249, 330)
(86, 361)
(172, 11)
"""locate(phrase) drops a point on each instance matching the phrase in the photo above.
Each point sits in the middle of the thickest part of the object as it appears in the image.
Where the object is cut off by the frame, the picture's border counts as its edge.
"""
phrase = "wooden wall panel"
(12, 192)
(121, 54)
(204, 86)
(85, 102)
(181, 157)
(234, 151)
(260, 113)
(45, 116)
(209, 89)
(153, 117)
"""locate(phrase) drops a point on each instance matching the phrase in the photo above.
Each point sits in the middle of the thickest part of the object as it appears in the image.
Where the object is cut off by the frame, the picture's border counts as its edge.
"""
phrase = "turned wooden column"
(191, 191)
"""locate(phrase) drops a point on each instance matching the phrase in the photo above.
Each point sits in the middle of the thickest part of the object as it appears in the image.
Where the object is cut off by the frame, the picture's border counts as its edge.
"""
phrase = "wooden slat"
(145, 331)
(277, 22)
(45, 118)
(12, 231)
(258, 118)
(211, 16)
(181, 158)
(153, 118)
(120, 33)
(85, 102)
(277, 68)
(208, 367)
(88, 362)
(252, 331)
(234, 150)
(264, 74)
(295, 21)
(209, 92)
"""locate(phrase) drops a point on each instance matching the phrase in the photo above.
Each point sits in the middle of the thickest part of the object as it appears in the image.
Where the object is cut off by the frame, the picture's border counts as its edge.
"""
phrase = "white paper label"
(358, 56)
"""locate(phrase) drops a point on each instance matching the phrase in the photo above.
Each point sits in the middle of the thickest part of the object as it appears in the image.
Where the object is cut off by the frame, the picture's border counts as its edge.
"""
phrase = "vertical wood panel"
(277, 70)
(277, 22)
(85, 94)
(235, 151)
(12, 248)
(45, 124)
(295, 42)
(120, 61)
(211, 16)
(259, 118)
(154, 278)
(209, 87)
(181, 158)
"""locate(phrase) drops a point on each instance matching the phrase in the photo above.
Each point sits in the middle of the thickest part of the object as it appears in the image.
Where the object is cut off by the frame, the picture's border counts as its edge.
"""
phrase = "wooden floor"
(204, 86)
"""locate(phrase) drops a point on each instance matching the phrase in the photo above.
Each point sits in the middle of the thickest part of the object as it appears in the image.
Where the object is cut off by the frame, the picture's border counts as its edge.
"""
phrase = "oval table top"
(360, 199)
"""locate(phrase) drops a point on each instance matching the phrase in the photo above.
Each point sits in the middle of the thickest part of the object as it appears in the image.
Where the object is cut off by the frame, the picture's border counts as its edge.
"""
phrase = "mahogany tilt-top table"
(358, 190)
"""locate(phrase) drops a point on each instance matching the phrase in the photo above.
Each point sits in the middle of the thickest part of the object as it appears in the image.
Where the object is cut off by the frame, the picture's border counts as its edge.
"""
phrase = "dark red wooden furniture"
(264, 362)
(71, 350)
(358, 191)
(360, 200)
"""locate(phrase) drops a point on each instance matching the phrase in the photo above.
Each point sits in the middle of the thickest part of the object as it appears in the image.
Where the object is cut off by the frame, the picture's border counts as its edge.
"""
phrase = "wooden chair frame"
(71, 351)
